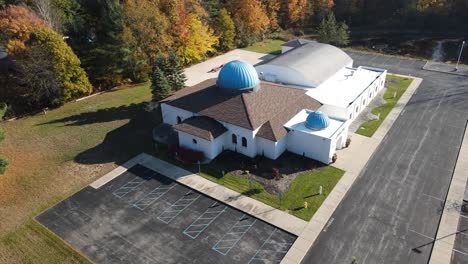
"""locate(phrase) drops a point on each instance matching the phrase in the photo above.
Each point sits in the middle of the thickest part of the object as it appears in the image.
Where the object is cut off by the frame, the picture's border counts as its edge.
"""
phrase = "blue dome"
(317, 121)
(238, 76)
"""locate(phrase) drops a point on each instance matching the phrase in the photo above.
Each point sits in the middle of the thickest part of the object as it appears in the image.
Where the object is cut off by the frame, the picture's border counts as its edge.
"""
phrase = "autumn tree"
(145, 36)
(272, 7)
(296, 10)
(194, 38)
(16, 25)
(226, 30)
(250, 19)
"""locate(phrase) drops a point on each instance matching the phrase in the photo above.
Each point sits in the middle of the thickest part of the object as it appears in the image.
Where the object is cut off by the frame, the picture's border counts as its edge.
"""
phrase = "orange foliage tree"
(296, 10)
(250, 18)
(16, 25)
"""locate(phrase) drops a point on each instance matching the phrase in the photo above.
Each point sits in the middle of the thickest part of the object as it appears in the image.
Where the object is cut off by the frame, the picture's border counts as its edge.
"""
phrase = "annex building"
(301, 101)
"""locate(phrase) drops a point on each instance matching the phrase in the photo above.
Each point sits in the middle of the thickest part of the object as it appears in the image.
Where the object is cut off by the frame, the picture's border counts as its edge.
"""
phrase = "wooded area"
(59, 50)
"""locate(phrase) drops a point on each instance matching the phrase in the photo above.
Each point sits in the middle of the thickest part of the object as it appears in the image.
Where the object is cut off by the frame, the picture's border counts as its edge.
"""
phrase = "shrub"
(334, 158)
(348, 142)
(3, 109)
(276, 174)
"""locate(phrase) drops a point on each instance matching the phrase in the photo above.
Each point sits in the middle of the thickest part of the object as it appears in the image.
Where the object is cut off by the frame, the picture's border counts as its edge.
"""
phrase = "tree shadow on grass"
(100, 116)
(122, 143)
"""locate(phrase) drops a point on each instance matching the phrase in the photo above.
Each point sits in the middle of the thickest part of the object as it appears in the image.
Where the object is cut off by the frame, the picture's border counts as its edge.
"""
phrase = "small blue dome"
(238, 75)
(317, 121)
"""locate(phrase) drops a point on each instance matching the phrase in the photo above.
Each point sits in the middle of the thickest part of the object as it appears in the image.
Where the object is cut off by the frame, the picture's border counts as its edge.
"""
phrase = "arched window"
(179, 120)
(244, 142)
(234, 139)
(194, 141)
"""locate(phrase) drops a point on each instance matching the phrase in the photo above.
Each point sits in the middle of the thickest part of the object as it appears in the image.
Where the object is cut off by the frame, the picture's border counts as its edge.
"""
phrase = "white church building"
(301, 101)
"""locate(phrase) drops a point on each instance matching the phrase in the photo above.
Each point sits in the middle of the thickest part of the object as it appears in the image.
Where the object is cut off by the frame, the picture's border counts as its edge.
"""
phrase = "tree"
(271, 8)
(296, 10)
(3, 162)
(342, 35)
(16, 25)
(250, 19)
(104, 62)
(66, 65)
(226, 30)
(49, 13)
(159, 85)
(175, 73)
(195, 39)
(328, 29)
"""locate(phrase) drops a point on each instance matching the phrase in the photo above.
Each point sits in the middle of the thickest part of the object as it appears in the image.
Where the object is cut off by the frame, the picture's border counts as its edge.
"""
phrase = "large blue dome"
(238, 76)
(317, 121)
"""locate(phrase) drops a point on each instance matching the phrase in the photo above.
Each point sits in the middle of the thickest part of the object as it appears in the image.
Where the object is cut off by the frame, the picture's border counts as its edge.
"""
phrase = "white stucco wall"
(366, 97)
(310, 146)
(211, 148)
(271, 149)
(170, 114)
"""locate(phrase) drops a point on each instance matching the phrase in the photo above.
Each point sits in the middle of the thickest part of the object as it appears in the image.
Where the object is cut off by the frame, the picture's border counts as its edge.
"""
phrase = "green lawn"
(394, 84)
(271, 46)
(303, 188)
(54, 155)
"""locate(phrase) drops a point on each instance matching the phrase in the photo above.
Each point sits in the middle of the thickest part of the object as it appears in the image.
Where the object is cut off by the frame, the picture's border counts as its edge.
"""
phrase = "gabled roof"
(313, 63)
(247, 110)
(202, 127)
(296, 43)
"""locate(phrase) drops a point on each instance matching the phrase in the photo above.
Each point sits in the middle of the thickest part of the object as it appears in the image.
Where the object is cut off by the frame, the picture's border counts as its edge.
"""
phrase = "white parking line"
(458, 251)
(433, 197)
(431, 238)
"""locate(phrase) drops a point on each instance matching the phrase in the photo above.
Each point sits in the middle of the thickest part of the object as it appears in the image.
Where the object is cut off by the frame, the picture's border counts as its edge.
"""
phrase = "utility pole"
(459, 56)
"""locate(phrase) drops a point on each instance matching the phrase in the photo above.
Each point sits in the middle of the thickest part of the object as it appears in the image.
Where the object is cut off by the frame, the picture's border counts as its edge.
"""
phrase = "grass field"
(395, 85)
(54, 155)
(303, 188)
(271, 46)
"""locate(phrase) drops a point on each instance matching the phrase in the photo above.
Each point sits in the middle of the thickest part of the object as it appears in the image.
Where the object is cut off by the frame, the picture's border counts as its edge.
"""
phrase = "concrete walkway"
(446, 68)
(241, 202)
(352, 160)
(445, 239)
(201, 71)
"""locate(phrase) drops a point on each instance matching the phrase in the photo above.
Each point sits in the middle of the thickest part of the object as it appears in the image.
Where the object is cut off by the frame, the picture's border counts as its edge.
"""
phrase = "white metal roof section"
(345, 86)
(297, 123)
(310, 64)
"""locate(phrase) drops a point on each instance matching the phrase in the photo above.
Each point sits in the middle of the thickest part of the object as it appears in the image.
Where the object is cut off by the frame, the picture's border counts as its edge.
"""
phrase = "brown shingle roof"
(202, 127)
(273, 104)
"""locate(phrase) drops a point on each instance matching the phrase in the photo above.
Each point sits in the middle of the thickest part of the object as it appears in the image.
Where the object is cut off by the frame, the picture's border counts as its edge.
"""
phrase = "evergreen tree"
(332, 27)
(106, 57)
(323, 34)
(160, 87)
(175, 73)
(342, 35)
(226, 30)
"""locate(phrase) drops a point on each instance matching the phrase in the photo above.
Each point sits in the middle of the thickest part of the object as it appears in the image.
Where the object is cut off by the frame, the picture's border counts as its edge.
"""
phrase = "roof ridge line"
(247, 111)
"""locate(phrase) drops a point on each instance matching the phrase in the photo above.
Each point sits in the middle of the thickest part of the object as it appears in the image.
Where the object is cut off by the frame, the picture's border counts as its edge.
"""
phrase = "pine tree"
(106, 60)
(323, 34)
(175, 73)
(342, 35)
(332, 27)
(160, 87)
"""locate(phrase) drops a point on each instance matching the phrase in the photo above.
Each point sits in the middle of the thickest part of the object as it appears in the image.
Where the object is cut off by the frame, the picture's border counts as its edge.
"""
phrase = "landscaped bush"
(348, 142)
(3, 109)
(276, 174)
(334, 158)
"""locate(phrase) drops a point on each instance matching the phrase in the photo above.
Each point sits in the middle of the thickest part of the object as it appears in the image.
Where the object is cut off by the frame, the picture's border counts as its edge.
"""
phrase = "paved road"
(391, 213)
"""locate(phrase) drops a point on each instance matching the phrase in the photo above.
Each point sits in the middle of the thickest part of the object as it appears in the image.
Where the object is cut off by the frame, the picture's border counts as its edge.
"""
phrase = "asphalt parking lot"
(144, 217)
(392, 211)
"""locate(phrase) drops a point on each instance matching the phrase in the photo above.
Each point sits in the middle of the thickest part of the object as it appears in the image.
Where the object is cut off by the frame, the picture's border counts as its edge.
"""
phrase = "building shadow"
(122, 143)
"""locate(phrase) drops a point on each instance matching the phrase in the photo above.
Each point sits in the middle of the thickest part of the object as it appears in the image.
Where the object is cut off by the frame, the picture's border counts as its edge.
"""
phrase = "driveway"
(391, 213)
